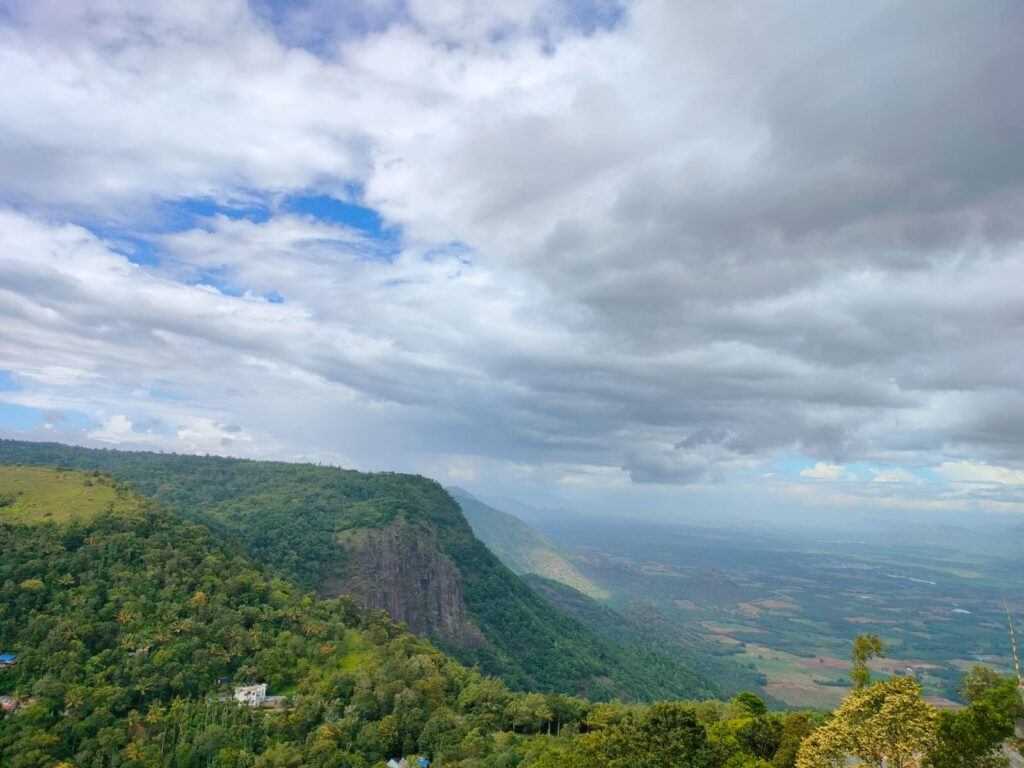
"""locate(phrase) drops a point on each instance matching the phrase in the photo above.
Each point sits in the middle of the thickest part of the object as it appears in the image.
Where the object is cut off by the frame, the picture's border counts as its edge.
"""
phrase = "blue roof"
(7, 657)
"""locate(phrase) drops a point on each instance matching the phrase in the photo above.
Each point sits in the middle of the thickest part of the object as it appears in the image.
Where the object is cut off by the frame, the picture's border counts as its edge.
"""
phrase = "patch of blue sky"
(62, 419)
(860, 470)
(9, 382)
(927, 474)
(166, 391)
(869, 471)
(187, 212)
(590, 16)
(381, 242)
(336, 211)
(792, 465)
(139, 240)
(24, 417)
(857, 470)
(14, 416)
(219, 279)
(332, 23)
(134, 247)
(586, 17)
(222, 282)
(323, 29)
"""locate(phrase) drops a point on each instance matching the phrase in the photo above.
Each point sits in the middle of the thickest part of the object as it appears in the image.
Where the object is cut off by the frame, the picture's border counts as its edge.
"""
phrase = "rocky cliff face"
(401, 569)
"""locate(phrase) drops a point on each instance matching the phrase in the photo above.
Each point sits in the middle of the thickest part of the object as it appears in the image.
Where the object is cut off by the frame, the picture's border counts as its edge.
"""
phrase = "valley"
(787, 603)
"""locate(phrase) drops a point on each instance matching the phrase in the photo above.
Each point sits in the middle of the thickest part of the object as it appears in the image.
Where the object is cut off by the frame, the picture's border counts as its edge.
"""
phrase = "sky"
(657, 258)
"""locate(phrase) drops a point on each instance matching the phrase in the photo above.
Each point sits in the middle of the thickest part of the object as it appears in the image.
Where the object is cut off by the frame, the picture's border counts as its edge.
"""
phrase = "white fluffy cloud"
(894, 476)
(979, 472)
(822, 471)
(670, 242)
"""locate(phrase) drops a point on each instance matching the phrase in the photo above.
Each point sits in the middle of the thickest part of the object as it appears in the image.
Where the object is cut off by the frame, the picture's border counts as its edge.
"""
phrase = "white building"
(253, 695)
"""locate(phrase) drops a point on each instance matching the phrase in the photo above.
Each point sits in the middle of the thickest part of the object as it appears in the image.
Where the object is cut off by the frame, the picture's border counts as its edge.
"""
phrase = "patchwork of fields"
(789, 606)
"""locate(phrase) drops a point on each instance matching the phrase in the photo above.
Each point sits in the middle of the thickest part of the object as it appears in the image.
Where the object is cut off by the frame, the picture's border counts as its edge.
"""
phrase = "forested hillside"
(127, 622)
(393, 541)
(125, 629)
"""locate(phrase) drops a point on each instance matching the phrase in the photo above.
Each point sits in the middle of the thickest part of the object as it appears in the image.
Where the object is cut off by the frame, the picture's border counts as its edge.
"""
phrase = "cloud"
(663, 239)
(117, 429)
(822, 471)
(979, 472)
(894, 476)
(54, 416)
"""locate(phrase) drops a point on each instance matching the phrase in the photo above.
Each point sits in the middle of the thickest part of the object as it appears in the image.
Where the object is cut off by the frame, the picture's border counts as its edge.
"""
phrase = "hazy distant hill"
(520, 547)
(396, 542)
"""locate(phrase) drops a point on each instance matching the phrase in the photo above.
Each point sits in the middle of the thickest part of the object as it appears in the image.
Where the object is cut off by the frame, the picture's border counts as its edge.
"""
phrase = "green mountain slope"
(397, 542)
(519, 546)
(132, 628)
(125, 619)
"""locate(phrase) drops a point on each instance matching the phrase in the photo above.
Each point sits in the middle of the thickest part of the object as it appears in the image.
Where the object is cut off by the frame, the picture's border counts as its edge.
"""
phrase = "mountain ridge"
(312, 524)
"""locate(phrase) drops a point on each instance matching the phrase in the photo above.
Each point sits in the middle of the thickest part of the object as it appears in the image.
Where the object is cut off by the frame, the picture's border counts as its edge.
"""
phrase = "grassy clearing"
(39, 494)
(360, 655)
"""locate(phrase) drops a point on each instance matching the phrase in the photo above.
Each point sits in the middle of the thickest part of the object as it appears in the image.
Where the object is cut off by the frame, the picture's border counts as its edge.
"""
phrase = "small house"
(7, 703)
(8, 660)
(251, 695)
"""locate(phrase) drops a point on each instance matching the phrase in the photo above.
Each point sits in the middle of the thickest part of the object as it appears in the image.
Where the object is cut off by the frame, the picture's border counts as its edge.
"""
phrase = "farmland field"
(789, 605)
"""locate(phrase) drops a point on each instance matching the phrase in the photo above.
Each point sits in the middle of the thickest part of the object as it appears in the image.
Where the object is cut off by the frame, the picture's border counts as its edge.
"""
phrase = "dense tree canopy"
(291, 518)
(132, 625)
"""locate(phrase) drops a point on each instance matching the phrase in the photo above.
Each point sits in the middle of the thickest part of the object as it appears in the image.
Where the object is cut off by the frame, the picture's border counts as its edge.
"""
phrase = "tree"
(971, 738)
(565, 710)
(795, 729)
(760, 736)
(982, 684)
(280, 755)
(673, 733)
(748, 704)
(887, 723)
(865, 648)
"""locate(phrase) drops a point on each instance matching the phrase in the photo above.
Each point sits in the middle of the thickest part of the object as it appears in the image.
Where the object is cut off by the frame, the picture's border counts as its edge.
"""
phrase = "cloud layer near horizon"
(665, 242)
